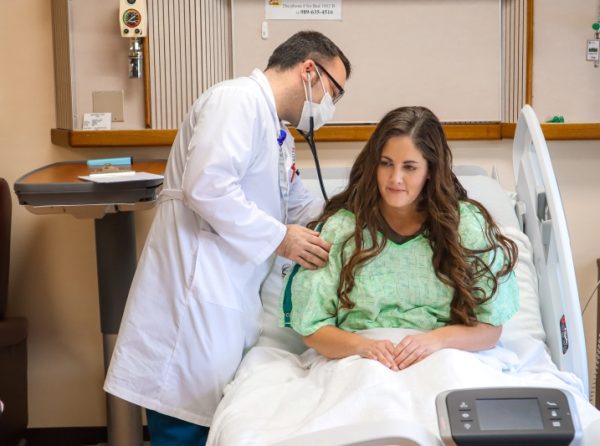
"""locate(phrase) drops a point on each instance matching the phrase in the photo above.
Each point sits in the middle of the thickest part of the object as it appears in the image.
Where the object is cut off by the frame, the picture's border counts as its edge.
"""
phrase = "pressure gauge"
(132, 18)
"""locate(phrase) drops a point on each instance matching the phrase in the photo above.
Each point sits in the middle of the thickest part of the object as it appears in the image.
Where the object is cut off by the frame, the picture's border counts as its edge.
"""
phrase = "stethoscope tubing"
(310, 140)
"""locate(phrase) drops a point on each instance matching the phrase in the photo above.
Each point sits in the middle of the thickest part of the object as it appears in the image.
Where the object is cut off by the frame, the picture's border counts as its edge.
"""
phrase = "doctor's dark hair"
(454, 264)
(306, 45)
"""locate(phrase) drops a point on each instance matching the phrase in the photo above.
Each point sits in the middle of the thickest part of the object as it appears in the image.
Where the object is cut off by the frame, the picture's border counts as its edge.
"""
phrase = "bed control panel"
(507, 415)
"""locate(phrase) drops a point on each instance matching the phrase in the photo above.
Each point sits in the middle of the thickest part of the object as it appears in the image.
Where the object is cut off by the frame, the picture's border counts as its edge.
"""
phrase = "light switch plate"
(109, 102)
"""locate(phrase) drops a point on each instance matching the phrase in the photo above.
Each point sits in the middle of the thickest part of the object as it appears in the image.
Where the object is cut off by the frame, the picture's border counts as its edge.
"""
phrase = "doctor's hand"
(414, 348)
(304, 246)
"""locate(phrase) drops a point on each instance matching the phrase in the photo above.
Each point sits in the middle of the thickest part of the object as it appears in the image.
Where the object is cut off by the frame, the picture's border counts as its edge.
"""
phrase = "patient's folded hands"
(414, 348)
(400, 353)
(383, 351)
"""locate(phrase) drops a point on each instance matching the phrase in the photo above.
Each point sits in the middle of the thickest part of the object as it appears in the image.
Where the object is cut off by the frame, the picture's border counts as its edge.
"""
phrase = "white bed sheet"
(278, 394)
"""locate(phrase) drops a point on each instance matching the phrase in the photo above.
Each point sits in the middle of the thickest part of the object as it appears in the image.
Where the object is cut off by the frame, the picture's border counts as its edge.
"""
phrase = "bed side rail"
(545, 224)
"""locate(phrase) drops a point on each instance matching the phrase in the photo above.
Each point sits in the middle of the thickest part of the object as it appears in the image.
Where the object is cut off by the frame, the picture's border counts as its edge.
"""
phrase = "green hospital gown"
(398, 288)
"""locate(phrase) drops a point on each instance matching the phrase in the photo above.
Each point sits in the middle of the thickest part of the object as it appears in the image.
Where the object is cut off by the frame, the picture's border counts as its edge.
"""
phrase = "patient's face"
(401, 174)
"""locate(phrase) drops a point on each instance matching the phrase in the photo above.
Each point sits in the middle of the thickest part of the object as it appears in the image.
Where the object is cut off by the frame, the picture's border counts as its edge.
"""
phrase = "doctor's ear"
(308, 71)
(309, 77)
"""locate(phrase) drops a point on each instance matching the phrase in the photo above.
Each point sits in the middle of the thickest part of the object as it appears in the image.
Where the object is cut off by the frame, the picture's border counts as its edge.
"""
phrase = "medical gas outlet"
(133, 22)
(593, 46)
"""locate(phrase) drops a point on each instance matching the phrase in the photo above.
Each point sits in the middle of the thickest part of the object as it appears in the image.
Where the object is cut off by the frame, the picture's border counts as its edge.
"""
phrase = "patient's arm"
(414, 348)
(335, 343)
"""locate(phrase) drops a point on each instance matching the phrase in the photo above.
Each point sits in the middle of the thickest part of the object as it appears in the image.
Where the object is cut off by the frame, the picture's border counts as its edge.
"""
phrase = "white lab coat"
(194, 306)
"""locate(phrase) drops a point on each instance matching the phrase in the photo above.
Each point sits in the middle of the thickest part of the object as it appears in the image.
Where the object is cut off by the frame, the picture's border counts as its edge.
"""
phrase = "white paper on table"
(121, 177)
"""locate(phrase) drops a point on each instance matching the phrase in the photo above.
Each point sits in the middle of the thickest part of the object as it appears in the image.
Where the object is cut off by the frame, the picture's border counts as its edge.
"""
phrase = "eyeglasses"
(340, 90)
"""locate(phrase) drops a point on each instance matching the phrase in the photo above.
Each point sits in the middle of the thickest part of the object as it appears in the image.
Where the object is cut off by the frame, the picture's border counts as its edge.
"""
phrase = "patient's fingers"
(403, 346)
(381, 351)
(405, 353)
(414, 348)
(387, 359)
(390, 349)
(409, 359)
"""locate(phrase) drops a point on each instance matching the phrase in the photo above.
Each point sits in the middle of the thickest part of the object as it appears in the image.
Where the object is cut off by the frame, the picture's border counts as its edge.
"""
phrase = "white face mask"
(321, 113)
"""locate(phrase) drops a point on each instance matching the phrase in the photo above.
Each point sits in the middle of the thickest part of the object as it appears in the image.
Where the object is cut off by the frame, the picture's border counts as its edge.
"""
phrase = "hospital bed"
(287, 395)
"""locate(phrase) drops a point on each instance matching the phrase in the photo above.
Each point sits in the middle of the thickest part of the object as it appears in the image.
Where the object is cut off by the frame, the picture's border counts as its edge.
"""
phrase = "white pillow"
(528, 320)
(496, 200)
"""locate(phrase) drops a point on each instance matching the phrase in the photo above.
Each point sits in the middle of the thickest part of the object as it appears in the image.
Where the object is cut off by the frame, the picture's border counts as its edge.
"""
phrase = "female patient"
(409, 250)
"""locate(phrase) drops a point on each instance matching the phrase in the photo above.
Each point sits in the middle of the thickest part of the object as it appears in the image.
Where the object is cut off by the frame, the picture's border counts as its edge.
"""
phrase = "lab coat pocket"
(215, 272)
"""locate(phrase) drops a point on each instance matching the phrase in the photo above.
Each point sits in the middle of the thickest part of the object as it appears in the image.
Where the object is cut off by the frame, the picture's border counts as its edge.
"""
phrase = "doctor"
(231, 199)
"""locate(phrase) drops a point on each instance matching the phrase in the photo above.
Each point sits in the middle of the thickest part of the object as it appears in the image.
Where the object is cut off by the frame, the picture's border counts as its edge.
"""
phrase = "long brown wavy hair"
(455, 265)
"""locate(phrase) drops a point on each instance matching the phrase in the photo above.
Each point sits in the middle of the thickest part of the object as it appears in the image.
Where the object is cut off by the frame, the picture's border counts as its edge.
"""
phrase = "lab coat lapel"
(259, 77)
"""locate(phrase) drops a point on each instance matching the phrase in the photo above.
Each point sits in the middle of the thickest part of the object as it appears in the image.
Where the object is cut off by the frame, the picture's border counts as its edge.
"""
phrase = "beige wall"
(102, 61)
(564, 82)
(53, 281)
(456, 59)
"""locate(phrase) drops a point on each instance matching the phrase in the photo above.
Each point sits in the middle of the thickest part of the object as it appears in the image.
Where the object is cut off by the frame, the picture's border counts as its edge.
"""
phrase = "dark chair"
(13, 341)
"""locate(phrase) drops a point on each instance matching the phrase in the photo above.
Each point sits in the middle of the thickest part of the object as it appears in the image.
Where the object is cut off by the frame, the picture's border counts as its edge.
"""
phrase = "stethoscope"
(310, 140)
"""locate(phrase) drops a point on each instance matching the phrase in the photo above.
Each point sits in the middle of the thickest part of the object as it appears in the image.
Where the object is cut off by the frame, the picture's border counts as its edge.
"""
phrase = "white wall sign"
(303, 10)
(97, 121)
(593, 47)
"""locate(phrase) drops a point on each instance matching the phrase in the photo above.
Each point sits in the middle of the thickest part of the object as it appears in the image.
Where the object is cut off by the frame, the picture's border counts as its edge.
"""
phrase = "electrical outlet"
(109, 101)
